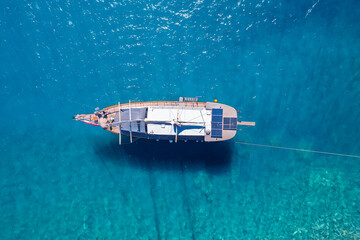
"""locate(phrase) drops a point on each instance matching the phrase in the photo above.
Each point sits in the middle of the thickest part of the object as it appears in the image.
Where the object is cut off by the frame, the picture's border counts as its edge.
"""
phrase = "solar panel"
(233, 122)
(230, 123)
(217, 119)
(216, 133)
(216, 123)
(217, 111)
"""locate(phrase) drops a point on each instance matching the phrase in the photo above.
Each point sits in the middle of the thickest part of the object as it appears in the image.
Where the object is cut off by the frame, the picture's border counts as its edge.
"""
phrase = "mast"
(176, 126)
(130, 122)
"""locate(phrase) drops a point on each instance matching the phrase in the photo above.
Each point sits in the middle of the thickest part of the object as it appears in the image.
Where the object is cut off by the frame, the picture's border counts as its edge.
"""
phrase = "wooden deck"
(110, 112)
(114, 108)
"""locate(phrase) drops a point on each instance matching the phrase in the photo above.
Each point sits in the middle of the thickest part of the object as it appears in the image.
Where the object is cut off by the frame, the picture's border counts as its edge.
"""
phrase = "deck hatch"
(230, 123)
(216, 123)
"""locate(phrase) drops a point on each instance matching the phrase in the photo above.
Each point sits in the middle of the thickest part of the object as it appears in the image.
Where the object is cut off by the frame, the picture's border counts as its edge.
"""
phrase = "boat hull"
(167, 120)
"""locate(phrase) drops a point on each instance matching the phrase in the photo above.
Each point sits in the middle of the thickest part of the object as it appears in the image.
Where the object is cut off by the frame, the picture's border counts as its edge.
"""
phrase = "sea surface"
(291, 66)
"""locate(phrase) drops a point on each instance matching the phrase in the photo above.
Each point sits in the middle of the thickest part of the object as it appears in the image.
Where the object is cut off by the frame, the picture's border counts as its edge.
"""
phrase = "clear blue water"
(291, 66)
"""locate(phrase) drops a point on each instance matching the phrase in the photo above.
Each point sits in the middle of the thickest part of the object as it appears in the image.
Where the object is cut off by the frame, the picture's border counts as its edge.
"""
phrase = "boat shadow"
(214, 158)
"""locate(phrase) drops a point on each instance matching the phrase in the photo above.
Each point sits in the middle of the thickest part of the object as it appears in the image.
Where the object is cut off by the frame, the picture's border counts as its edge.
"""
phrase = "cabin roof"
(192, 121)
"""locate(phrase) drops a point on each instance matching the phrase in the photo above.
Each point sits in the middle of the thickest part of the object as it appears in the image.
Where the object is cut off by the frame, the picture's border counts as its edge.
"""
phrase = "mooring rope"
(299, 149)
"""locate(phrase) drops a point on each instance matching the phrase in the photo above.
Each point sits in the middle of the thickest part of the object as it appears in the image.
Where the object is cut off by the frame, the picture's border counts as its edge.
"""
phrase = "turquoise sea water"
(291, 66)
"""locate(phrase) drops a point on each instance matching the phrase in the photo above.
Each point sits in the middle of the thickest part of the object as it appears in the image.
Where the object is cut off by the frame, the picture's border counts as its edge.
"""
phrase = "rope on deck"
(298, 149)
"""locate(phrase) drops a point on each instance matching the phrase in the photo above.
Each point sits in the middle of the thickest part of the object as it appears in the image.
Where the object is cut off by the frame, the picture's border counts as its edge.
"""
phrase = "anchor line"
(299, 149)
